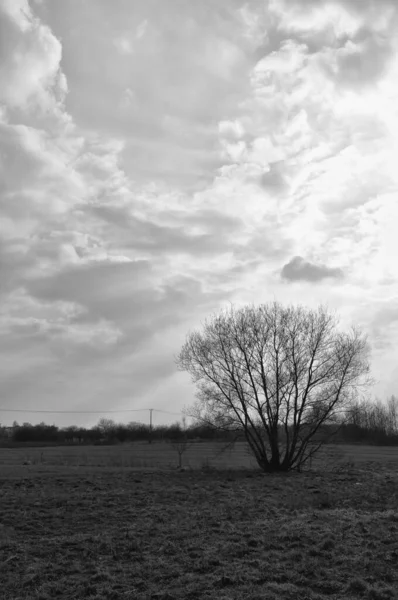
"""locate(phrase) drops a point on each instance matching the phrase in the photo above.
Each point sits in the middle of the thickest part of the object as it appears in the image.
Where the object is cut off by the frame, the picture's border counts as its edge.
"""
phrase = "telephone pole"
(150, 425)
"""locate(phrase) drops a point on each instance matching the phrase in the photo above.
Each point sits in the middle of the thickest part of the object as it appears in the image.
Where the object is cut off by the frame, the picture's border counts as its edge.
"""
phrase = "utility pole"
(150, 425)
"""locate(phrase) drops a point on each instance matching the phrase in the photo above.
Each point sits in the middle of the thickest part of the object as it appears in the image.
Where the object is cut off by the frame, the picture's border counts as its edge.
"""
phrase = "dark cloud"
(124, 294)
(103, 287)
(274, 181)
(362, 60)
(298, 269)
(151, 316)
(60, 378)
(142, 234)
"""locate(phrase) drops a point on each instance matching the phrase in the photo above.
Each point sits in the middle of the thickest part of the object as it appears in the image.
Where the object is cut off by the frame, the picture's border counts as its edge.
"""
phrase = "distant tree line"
(366, 422)
(106, 431)
(374, 423)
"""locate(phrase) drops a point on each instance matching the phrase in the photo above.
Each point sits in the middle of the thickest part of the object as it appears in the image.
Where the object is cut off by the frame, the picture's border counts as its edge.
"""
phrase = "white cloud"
(141, 29)
(124, 45)
(154, 167)
(128, 99)
(231, 129)
(30, 67)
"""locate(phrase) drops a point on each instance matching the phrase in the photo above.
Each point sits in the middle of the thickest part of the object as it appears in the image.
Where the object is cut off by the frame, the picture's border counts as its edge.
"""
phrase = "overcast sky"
(162, 158)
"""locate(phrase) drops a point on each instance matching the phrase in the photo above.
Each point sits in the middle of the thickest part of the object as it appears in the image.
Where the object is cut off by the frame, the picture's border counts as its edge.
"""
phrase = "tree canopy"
(277, 373)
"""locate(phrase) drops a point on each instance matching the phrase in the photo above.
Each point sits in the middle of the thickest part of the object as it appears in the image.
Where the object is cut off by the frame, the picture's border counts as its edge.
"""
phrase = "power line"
(73, 412)
(165, 411)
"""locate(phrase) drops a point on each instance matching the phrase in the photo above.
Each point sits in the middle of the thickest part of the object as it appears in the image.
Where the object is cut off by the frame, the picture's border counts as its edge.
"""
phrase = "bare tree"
(107, 427)
(180, 443)
(279, 374)
(392, 410)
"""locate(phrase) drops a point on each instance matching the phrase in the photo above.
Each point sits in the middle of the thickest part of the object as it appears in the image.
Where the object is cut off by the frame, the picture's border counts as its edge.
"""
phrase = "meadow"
(122, 522)
(162, 455)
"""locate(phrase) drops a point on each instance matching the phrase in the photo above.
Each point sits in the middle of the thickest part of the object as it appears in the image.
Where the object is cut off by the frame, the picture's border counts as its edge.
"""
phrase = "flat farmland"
(162, 455)
(133, 455)
(76, 528)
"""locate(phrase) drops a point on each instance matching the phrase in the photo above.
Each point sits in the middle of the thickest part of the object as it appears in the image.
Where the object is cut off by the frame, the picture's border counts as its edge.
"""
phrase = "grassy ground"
(163, 455)
(138, 455)
(115, 532)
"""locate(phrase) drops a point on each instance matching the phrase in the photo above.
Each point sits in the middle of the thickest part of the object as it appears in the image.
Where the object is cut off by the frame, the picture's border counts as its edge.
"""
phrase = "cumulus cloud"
(362, 60)
(275, 179)
(352, 41)
(30, 75)
(299, 269)
(157, 164)
(198, 73)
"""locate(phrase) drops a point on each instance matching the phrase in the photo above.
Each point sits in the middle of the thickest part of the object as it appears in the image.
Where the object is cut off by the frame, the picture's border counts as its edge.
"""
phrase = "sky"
(160, 160)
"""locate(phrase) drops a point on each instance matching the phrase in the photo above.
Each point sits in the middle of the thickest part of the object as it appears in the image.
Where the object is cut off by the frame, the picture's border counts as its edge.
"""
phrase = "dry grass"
(106, 532)
(163, 456)
(138, 455)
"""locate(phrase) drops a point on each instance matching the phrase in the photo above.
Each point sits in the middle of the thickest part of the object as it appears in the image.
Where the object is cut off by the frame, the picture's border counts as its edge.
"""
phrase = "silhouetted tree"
(267, 369)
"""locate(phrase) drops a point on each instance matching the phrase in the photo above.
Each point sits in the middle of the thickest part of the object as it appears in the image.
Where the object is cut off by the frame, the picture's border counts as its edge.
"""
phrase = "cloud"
(128, 99)
(15, 262)
(40, 158)
(352, 41)
(232, 130)
(156, 164)
(103, 292)
(199, 74)
(141, 29)
(362, 60)
(204, 234)
(30, 62)
(275, 180)
(125, 302)
(124, 45)
(298, 269)
(101, 319)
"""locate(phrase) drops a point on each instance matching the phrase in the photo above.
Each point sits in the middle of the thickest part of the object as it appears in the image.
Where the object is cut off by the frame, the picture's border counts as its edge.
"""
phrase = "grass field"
(142, 455)
(114, 527)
